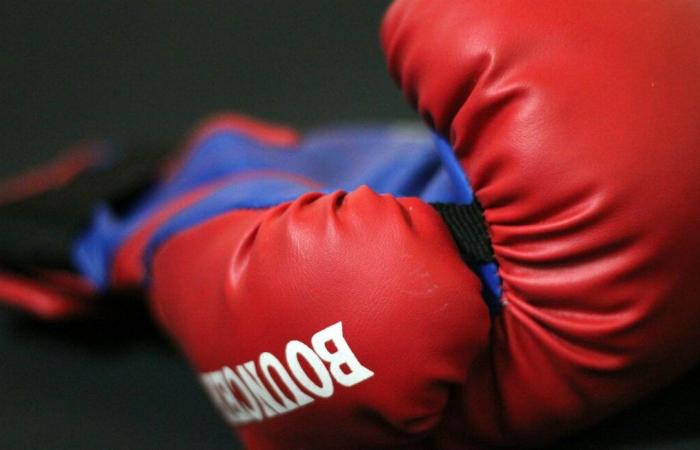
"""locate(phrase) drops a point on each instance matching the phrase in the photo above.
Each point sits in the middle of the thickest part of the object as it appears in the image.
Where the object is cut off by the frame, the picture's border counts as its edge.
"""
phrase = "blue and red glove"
(252, 181)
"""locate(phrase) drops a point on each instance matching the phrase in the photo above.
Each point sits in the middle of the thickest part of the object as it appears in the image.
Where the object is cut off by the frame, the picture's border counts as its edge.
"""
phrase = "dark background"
(75, 69)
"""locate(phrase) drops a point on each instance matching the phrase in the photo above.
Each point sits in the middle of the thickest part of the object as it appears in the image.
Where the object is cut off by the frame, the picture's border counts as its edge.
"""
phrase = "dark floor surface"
(74, 69)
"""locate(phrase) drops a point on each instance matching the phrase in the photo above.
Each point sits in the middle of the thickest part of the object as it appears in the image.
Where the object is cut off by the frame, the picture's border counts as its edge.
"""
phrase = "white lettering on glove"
(243, 396)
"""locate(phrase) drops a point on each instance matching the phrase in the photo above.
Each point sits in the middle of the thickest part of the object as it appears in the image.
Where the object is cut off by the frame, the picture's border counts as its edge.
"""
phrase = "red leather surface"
(578, 124)
(250, 282)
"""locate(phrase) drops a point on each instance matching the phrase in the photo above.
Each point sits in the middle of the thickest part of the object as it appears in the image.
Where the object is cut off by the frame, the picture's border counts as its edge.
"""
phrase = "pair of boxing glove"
(525, 268)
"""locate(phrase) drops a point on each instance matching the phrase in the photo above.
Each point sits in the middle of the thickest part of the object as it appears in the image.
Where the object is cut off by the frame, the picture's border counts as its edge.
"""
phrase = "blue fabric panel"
(454, 170)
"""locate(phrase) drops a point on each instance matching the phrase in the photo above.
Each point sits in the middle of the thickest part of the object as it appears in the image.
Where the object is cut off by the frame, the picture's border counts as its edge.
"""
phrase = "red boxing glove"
(578, 125)
(334, 320)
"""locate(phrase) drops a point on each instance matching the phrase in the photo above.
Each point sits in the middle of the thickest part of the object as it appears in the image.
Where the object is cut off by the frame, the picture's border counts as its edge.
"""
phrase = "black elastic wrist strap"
(468, 229)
